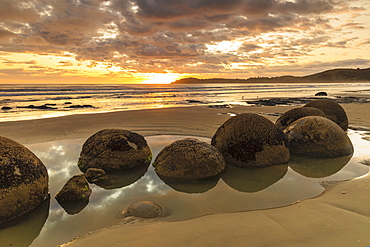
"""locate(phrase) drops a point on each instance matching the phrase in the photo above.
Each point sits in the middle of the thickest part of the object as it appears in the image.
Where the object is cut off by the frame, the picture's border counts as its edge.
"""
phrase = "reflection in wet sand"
(253, 180)
(22, 231)
(237, 190)
(191, 185)
(318, 167)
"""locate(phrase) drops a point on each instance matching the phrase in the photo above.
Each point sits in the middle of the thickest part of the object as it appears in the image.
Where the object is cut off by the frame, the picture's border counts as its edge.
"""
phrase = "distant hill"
(334, 75)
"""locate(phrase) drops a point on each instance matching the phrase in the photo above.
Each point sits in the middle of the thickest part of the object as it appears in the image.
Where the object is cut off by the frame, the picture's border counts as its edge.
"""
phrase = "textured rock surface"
(145, 209)
(23, 180)
(190, 159)
(295, 114)
(114, 149)
(251, 140)
(95, 174)
(76, 189)
(318, 136)
(332, 110)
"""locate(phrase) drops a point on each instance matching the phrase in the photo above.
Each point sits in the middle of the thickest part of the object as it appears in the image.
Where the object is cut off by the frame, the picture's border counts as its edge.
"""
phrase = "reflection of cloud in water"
(61, 159)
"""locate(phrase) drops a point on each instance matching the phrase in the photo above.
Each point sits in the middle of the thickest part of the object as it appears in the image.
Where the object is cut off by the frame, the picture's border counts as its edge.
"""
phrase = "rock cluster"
(24, 181)
(332, 110)
(250, 140)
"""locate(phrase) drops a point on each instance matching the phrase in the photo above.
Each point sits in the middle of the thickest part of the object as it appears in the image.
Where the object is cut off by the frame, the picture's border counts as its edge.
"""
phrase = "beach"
(339, 217)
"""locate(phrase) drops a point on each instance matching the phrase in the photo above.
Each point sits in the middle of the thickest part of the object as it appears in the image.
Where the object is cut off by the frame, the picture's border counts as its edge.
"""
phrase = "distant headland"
(334, 75)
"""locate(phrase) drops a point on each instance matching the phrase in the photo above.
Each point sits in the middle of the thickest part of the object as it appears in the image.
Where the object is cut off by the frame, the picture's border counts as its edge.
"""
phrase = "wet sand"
(339, 217)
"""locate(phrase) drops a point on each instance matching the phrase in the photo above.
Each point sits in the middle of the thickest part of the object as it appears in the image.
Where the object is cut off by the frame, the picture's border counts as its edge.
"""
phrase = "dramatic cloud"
(182, 36)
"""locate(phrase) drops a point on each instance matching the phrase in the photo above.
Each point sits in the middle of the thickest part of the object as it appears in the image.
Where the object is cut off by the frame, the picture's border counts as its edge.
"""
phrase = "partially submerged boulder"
(250, 140)
(318, 136)
(114, 149)
(23, 180)
(332, 110)
(296, 113)
(145, 209)
(76, 189)
(189, 158)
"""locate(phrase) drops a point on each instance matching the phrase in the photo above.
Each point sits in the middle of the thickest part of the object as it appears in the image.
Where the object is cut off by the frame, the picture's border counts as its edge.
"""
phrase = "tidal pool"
(235, 190)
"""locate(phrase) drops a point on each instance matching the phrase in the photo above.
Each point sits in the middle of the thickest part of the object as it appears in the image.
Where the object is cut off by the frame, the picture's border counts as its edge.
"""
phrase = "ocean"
(21, 102)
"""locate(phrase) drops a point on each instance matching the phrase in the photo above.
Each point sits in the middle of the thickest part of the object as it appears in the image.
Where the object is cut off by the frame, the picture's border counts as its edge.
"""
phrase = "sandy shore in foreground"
(340, 217)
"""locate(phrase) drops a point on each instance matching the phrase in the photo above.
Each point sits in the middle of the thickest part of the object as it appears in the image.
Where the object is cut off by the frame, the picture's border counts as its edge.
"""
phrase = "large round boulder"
(114, 149)
(189, 158)
(23, 180)
(318, 136)
(296, 113)
(332, 110)
(250, 140)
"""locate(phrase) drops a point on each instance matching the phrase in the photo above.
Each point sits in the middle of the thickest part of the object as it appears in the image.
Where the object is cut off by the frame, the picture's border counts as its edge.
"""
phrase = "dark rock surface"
(76, 189)
(332, 110)
(321, 94)
(297, 113)
(79, 106)
(41, 107)
(251, 140)
(189, 159)
(6, 108)
(23, 180)
(319, 137)
(95, 174)
(114, 149)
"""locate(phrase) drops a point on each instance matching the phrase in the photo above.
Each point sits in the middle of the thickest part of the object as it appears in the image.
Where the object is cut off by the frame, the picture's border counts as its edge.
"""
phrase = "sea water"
(16, 101)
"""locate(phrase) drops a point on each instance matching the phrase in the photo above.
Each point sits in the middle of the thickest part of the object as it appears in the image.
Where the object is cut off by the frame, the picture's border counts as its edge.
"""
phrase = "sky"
(159, 41)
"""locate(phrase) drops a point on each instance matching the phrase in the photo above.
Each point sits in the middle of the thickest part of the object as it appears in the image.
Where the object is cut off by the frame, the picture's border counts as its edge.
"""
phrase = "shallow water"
(108, 98)
(236, 190)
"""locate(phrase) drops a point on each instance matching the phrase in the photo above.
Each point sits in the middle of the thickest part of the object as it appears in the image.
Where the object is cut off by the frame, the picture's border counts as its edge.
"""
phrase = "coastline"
(341, 216)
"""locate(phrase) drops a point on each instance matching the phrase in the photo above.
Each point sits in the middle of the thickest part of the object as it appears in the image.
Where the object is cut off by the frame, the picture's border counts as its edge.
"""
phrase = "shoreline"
(200, 121)
(339, 216)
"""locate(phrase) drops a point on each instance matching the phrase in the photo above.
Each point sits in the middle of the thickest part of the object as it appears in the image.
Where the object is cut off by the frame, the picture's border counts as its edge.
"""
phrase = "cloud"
(162, 35)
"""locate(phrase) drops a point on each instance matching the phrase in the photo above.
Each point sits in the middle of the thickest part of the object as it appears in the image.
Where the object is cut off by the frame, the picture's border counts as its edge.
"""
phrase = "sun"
(159, 78)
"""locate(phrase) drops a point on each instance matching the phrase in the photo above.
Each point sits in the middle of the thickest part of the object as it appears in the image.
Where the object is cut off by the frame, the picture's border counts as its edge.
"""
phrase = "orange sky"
(159, 41)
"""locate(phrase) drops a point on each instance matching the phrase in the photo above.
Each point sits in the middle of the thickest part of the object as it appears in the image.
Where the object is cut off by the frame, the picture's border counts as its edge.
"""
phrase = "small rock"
(145, 209)
(321, 94)
(76, 189)
(95, 174)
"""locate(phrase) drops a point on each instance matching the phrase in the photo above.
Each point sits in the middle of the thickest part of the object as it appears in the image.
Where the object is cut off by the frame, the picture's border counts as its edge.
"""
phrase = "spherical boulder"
(332, 110)
(189, 158)
(145, 209)
(250, 140)
(318, 136)
(114, 149)
(23, 180)
(296, 113)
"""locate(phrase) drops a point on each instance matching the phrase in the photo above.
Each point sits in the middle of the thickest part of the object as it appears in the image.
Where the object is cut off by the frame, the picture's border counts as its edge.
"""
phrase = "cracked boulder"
(114, 149)
(251, 140)
(23, 180)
